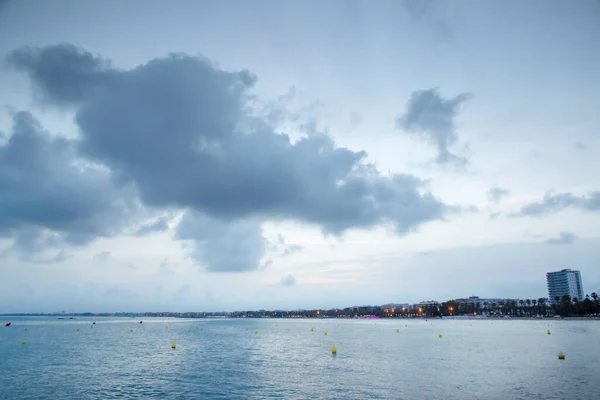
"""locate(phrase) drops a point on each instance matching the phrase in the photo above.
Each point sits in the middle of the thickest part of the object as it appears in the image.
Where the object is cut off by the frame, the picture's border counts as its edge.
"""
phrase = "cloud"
(102, 256)
(553, 203)
(49, 197)
(431, 117)
(288, 280)
(61, 256)
(165, 268)
(220, 246)
(563, 238)
(158, 225)
(417, 8)
(186, 136)
(286, 249)
(355, 119)
(581, 146)
(496, 194)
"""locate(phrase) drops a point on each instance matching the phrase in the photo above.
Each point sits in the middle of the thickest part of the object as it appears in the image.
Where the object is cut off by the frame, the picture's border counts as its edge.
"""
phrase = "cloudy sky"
(193, 156)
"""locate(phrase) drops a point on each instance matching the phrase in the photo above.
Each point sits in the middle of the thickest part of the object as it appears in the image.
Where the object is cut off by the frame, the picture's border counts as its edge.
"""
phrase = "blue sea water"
(220, 359)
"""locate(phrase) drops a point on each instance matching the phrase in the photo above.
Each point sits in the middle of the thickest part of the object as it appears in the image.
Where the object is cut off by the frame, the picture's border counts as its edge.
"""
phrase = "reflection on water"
(220, 359)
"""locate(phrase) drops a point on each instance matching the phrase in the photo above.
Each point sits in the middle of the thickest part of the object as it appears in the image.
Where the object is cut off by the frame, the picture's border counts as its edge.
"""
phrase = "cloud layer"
(185, 135)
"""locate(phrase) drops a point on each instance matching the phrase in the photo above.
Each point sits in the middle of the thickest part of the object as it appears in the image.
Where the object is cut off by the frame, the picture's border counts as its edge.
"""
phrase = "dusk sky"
(233, 155)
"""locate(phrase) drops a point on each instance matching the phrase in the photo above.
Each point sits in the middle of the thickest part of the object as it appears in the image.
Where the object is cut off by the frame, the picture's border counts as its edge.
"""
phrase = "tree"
(556, 304)
(595, 297)
(542, 303)
(521, 302)
(534, 303)
(566, 303)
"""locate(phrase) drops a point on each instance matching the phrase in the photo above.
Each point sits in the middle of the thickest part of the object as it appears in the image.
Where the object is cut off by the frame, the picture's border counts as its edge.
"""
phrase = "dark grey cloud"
(159, 225)
(496, 194)
(288, 280)
(430, 116)
(48, 197)
(184, 133)
(102, 257)
(563, 238)
(553, 203)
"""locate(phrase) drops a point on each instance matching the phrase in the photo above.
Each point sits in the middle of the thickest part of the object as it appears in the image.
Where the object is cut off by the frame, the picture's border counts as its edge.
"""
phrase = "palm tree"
(576, 305)
(542, 303)
(595, 297)
(566, 302)
(556, 304)
(528, 301)
(521, 302)
(534, 303)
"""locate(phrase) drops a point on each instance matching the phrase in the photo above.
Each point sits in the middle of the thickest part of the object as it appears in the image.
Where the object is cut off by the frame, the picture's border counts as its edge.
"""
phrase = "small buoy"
(325, 333)
(548, 331)
(312, 329)
(188, 329)
(333, 350)
(246, 328)
(25, 328)
(173, 345)
(440, 335)
(561, 356)
(131, 330)
(167, 326)
(77, 329)
(92, 326)
(23, 341)
(397, 330)
(256, 332)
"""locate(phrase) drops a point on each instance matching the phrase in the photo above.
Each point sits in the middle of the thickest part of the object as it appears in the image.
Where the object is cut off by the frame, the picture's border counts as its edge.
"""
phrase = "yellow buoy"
(561, 356)
(256, 332)
(333, 350)
(246, 328)
(312, 329)
(173, 345)
(25, 328)
(440, 335)
(77, 329)
(397, 330)
(23, 341)
(167, 326)
(548, 331)
(325, 333)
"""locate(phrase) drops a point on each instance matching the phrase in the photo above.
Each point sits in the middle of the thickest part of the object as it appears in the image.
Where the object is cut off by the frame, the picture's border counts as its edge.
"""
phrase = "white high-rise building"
(565, 282)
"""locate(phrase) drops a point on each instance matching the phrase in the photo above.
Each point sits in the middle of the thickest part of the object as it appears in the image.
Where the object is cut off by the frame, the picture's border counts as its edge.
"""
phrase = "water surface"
(220, 359)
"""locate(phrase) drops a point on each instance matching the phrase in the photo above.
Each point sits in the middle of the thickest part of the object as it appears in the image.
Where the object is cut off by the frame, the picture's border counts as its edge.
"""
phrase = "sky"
(217, 156)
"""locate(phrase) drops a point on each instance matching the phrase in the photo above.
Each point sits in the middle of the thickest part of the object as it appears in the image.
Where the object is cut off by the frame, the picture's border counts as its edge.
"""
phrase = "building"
(564, 283)
(478, 305)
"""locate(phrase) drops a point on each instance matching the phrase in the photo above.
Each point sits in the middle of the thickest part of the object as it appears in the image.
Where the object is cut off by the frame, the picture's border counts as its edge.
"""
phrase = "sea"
(119, 358)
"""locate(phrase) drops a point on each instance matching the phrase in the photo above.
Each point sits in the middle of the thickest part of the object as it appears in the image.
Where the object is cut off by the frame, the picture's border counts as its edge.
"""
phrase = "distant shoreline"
(457, 317)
